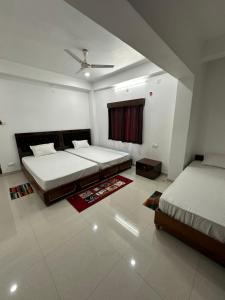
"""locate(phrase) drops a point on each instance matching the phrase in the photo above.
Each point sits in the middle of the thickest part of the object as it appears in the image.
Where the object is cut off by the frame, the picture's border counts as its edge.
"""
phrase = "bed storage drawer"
(91, 179)
(125, 165)
(105, 173)
(60, 192)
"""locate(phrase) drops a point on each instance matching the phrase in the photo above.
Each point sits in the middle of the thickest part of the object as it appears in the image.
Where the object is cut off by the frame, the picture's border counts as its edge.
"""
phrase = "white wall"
(16, 70)
(25, 106)
(180, 127)
(211, 117)
(158, 117)
(195, 111)
(144, 69)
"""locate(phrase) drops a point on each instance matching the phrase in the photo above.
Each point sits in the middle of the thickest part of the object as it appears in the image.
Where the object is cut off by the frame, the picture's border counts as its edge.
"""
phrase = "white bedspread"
(104, 157)
(53, 170)
(197, 198)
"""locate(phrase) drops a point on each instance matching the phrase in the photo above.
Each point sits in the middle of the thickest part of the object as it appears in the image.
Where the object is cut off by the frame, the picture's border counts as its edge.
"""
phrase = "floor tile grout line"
(194, 278)
(150, 285)
(192, 285)
(45, 262)
(66, 240)
(121, 257)
(137, 273)
(52, 276)
(110, 271)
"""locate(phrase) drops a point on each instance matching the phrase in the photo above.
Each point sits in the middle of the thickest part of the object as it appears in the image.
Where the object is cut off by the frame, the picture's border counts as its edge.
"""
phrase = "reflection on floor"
(109, 251)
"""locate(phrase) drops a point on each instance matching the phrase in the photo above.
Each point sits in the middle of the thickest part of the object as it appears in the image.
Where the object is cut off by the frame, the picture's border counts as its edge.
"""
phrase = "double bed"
(58, 175)
(193, 209)
(105, 158)
(53, 170)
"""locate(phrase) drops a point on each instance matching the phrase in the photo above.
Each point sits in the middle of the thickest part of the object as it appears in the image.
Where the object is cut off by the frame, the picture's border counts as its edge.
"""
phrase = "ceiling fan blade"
(101, 66)
(73, 55)
(79, 71)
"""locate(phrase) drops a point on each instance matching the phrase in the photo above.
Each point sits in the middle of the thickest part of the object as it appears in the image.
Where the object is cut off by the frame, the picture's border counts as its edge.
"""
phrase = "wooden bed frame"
(62, 140)
(194, 238)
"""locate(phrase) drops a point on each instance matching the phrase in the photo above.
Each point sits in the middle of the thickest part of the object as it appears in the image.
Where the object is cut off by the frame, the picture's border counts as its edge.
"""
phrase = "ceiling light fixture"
(133, 262)
(87, 74)
(131, 83)
(13, 288)
(95, 227)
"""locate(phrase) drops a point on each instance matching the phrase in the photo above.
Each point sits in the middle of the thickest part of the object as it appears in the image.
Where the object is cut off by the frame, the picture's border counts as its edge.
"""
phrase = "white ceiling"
(121, 19)
(184, 24)
(205, 19)
(36, 33)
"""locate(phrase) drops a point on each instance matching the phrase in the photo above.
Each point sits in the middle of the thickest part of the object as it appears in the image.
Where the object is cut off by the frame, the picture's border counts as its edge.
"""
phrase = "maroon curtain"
(126, 124)
(133, 126)
(116, 121)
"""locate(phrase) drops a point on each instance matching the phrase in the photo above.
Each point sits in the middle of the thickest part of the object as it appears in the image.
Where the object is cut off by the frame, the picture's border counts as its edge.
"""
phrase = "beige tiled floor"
(109, 251)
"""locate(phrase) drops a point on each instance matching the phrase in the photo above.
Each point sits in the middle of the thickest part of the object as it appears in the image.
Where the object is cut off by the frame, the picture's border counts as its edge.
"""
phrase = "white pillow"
(216, 160)
(43, 149)
(80, 144)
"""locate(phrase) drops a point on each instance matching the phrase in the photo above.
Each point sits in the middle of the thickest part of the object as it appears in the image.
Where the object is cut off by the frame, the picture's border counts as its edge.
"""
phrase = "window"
(126, 120)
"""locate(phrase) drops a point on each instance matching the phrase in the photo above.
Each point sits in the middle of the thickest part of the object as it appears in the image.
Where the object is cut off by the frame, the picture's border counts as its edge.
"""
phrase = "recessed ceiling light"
(131, 83)
(95, 227)
(133, 262)
(87, 74)
(13, 288)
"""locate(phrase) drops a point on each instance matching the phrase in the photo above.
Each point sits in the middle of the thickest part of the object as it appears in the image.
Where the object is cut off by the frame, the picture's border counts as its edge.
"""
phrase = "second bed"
(192, 209)
(197, 199)
(108, 160)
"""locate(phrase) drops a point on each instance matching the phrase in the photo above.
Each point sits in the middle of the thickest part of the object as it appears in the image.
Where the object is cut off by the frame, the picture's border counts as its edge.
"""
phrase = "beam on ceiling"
(213, 49)
(121, 19)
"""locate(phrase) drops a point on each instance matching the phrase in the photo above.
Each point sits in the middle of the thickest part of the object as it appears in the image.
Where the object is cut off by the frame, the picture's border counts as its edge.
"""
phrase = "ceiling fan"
(84, 64)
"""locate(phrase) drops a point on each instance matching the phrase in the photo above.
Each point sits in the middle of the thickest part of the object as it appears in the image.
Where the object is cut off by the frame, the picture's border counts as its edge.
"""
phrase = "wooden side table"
(148, 168)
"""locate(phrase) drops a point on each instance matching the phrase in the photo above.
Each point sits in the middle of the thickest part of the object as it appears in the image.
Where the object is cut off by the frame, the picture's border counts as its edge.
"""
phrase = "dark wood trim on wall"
(133, 102)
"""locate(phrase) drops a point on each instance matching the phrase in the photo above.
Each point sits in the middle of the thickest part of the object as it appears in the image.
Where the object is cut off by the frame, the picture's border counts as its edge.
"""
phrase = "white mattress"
(197, 198)
(104, 157)
(53, 170)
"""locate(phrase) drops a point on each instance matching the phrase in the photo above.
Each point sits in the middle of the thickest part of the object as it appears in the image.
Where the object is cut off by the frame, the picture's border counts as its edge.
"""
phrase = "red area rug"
(96, 193)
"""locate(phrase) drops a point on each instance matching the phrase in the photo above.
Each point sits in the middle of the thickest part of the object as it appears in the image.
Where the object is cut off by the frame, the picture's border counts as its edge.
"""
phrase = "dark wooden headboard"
(61, 139)
(71, 135)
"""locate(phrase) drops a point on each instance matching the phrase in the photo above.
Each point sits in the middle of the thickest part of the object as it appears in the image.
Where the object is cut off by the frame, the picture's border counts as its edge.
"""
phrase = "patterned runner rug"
(20, 190)
(96, 193)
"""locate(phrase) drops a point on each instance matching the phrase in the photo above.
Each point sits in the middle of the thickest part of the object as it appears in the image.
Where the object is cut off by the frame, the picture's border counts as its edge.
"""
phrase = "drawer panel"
(143, 167)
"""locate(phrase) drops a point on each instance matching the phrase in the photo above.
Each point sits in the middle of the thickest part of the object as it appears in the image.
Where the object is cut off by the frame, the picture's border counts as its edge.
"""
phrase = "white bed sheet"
(53, 170)
(197, 198)
(104, 157)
